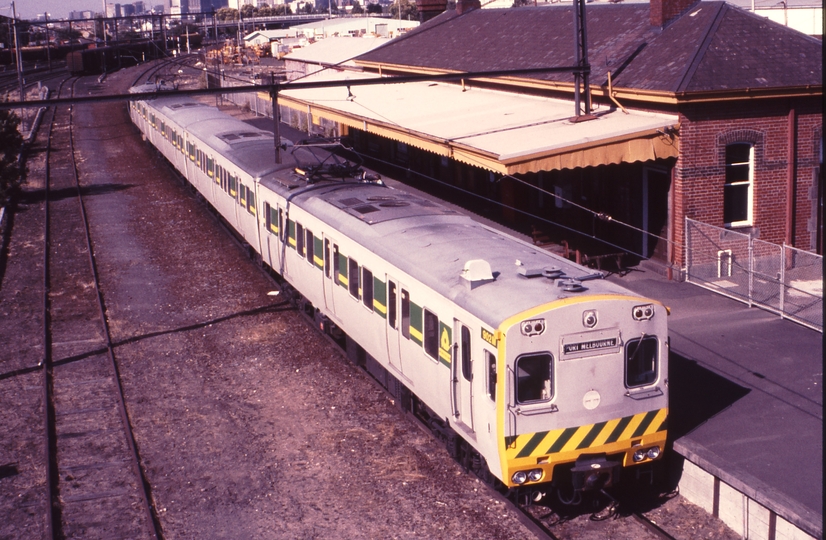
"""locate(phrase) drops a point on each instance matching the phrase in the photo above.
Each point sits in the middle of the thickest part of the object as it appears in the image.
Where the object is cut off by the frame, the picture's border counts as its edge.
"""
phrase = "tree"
(357, 10)
(227, 14)
(247, 11)
(408, 10)
(265, 11)
(10, 141)
(374, 8)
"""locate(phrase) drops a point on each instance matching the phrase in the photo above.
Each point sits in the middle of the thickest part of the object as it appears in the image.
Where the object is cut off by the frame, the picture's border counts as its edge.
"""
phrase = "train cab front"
(584, 391)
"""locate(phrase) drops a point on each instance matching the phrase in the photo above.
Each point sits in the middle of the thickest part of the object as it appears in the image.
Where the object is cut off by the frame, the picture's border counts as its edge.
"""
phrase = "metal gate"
(779, 278)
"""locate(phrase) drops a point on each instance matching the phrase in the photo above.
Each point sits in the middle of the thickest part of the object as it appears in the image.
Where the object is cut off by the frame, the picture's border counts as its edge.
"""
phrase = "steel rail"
(54, 525)
(146, 495)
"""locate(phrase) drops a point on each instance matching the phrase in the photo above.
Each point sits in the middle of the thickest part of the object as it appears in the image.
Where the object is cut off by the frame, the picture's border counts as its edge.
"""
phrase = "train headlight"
(519, 477)
(589, 318)
(639, 455)
(653, 453)
(533, 327)
(642, 313)
(535, 475)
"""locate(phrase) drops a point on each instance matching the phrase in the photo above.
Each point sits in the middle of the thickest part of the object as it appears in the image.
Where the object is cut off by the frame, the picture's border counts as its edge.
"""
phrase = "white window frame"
(749, 221)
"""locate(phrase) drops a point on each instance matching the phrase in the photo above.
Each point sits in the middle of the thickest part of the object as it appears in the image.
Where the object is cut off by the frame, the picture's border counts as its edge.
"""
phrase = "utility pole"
(582, 75)
(49, 42)
(18, 57)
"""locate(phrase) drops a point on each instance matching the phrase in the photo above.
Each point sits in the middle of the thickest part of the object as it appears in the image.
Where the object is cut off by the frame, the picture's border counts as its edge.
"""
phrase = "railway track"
(94, 477)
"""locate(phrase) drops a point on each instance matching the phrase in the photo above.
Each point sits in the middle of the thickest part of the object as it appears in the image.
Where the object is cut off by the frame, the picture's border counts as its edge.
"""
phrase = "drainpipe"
(790, 179)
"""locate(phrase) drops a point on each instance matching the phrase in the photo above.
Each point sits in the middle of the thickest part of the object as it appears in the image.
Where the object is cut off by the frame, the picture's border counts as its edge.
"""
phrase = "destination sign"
(570, 348)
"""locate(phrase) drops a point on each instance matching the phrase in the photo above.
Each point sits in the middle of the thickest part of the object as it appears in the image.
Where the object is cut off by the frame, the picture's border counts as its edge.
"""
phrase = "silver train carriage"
(534, 371)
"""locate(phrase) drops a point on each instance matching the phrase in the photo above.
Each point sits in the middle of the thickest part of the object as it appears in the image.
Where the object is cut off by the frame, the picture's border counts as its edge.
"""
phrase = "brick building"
(700, 110)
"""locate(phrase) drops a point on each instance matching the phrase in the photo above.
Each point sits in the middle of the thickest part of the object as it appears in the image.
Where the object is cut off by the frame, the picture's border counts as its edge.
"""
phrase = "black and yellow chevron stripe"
(590, 436)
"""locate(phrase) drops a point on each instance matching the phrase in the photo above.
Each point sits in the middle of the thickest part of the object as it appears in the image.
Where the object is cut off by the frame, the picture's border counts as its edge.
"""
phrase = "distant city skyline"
(59, 9)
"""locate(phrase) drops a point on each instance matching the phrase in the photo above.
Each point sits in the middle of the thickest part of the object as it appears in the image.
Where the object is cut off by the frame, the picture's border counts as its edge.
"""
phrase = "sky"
(58, 9)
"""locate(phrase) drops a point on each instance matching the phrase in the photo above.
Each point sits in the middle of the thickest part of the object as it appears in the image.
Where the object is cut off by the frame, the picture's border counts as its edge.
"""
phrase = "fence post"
(687, 252)
(782, 280)
(751, 269)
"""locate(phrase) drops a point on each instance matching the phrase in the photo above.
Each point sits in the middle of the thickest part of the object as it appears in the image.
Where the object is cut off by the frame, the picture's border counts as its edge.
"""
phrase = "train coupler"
(594, 472)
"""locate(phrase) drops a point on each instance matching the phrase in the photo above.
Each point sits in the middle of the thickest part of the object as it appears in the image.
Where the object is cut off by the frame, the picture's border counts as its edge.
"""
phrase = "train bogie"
(531, 368)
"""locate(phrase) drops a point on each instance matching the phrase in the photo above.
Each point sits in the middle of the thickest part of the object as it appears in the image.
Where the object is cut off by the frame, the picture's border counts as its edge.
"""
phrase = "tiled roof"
(713, 46)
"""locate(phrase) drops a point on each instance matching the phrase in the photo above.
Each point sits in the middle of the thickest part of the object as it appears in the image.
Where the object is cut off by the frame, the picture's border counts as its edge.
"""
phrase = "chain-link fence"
(782, 279)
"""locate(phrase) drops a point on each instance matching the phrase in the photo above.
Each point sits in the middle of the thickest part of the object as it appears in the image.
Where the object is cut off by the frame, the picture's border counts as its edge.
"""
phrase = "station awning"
(500, 131)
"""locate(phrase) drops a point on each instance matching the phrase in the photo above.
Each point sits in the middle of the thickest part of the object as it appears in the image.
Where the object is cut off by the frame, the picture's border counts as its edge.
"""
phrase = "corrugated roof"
(713, 46)
(500, 131)
(335, 50)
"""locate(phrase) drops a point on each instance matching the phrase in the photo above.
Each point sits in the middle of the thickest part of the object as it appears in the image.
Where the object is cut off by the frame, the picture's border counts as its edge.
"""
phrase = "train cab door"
(461, 367)
(394, 322)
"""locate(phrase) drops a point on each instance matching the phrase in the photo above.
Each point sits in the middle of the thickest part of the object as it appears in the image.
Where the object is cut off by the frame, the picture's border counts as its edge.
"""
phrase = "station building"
(700, 110)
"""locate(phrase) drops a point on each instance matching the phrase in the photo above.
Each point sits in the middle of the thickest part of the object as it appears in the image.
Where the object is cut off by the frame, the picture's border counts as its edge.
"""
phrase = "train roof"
(248, 147)
(422, 238)
(433, 244)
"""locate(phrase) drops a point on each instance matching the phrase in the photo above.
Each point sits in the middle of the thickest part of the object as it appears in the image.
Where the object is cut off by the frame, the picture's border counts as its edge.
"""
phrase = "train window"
(391, 304)
(251, 202)
(233, 186)
(336, 271)
(406, 314)
(299, 239)
(353, 276)
(641, 361)
(309, 245)
(243, 197)
(268, 217)
(431, 334)
(326, 257)
(367, 287)
(466, 365)
(533, 378)
(490, 360)
(281, 229)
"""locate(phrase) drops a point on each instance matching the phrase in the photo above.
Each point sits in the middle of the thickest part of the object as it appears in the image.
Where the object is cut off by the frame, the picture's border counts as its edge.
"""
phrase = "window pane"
(367, 287)
(326, 257)
(353, 276)
(533, 378)
(405, 314)
(310, 245)
(391, 304)
(490, 360)
(431, 334)
(736, 203)
(641, 362)
(299, 238)
(737, 173)
(466, 353)
(738, 153)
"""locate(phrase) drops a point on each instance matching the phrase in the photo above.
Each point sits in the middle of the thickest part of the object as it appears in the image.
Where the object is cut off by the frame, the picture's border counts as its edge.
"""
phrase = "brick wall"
(706, 129)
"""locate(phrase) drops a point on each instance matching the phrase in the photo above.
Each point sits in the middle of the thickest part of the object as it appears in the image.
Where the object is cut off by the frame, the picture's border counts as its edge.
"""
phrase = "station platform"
(746, 402)
(746, 409)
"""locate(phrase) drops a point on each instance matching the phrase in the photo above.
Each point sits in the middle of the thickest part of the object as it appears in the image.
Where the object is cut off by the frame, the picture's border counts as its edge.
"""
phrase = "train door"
(330, 272)
(462, 376)
(394, 322)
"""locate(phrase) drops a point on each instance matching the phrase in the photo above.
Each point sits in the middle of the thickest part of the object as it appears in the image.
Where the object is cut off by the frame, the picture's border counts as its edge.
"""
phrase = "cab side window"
(534, 378)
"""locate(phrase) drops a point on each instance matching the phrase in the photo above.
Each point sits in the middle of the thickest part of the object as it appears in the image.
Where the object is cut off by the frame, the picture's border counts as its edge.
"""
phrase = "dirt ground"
(249, 423)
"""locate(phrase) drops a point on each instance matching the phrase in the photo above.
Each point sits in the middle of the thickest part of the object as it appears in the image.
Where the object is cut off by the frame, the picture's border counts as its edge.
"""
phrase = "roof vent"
(476, 272)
